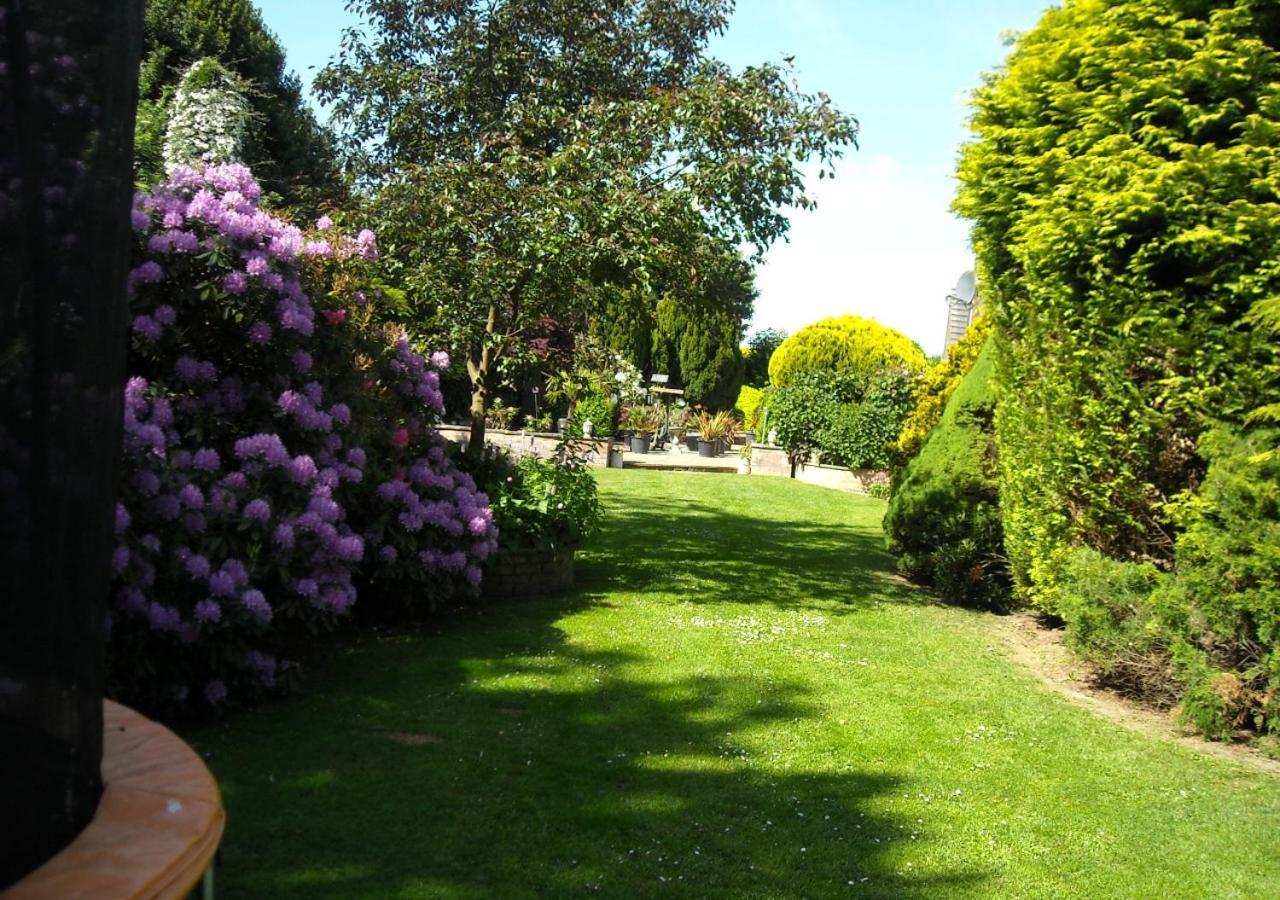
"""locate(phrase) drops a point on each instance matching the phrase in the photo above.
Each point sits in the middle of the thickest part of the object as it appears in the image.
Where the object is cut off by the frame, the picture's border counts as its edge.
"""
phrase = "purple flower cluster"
(248, 506)
(416, 378)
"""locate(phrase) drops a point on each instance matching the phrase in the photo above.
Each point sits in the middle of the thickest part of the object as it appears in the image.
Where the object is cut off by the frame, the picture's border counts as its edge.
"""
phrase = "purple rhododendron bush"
(279, 448)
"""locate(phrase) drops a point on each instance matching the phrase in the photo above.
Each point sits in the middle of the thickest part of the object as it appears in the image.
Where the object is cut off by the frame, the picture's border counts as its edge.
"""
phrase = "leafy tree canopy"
(523, 153)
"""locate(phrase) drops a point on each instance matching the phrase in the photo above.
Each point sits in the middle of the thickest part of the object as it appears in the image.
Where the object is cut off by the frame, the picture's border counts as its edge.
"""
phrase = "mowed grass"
(738, 701)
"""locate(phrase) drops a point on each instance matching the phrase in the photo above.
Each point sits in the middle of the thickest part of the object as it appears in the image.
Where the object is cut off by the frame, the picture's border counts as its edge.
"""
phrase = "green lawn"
(738, 701)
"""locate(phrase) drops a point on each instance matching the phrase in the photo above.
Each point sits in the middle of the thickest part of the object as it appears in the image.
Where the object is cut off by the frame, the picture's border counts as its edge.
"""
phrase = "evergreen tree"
(290, 153)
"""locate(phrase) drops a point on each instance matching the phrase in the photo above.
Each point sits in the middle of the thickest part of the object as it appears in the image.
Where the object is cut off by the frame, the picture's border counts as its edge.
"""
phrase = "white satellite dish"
(966, 288)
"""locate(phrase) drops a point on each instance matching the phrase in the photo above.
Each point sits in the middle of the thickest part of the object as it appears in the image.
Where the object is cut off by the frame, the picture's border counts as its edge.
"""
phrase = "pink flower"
(335, 316)
(400, 439)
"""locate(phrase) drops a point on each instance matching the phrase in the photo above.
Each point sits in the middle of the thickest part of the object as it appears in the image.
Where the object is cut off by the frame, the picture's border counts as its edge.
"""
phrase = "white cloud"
(882, 244)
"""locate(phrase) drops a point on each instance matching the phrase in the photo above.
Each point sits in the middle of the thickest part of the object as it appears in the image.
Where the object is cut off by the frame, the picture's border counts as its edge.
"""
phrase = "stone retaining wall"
(515, 574)
(525, 443)
(769, 460)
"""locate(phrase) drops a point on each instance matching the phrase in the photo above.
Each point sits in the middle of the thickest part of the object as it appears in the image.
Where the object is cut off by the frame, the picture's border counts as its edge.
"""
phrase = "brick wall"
(525, 573)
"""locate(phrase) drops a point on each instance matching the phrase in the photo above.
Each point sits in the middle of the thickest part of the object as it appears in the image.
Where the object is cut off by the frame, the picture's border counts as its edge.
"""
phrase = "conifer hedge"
(943, 519)
(1125, 193)
(1124, 187)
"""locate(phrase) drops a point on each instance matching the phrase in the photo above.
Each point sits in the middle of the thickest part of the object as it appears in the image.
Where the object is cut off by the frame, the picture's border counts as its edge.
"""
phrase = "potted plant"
(714, 431)
(642, 422)
(744, 459)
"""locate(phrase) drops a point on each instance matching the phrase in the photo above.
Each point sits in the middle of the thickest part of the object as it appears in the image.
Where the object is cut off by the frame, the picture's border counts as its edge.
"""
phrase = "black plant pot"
(708, 448)
(691, 441)
(640, 443)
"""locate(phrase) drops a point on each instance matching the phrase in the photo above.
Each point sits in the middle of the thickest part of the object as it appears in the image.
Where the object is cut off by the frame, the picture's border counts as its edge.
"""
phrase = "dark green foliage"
(760, 347)
(710, 358)
(943, 519)
(543, 503)
(290, 154)
(1224, 595)
(695, 330)
(858, 435)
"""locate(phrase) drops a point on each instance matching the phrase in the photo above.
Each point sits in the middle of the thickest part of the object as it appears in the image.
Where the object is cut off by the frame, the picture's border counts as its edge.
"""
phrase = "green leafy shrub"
(846, 344)
(844, 418)
(943, 519)
(801, 412)
(1207, 634)
(598, 409)
(1224, 595)
(541, 503)
(749, 403)
(858, 434)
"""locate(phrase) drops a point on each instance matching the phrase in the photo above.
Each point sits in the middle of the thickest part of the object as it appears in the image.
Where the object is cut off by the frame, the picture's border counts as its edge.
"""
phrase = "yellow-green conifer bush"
(936, 387)
(848, 344)
(1126, 206)
(749, 400)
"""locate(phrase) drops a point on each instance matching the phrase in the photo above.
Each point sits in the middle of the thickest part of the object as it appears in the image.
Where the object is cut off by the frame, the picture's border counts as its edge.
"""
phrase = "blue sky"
(882, 242)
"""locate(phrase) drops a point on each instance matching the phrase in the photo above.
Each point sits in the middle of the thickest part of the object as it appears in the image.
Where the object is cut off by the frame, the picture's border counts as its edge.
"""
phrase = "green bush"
(848, 344)
(802, 411)
(749, 401)
(600, 410)
(943, 519)
(1126, 219)
(1224, 595)
(542, 502)
(858, 434)
(935, 388)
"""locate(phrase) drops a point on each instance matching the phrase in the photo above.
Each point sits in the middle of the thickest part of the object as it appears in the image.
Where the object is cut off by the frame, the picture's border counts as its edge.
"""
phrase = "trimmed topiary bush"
(850, 345)
(943, 519)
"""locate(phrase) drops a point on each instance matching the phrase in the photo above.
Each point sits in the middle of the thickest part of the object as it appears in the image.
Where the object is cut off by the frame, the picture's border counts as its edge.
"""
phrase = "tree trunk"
(479, 365)
(479, 405)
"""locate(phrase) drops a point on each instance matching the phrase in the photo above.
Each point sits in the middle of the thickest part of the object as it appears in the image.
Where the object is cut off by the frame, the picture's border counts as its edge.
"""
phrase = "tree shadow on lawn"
(503, 760)
(707, 554)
